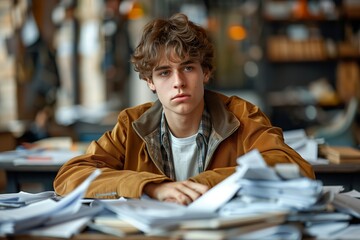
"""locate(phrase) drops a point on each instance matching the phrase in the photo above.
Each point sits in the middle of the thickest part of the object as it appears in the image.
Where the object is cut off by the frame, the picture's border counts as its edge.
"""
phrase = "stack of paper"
(180, 222)
(153, 217)
(49, 217)
(271, 189)
(298, 193)
(337, 224)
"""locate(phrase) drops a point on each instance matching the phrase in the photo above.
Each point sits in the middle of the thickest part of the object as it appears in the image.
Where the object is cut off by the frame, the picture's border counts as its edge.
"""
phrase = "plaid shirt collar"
(202, 139)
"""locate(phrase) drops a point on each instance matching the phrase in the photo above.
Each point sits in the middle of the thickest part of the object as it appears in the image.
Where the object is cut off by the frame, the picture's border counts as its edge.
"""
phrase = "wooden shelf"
(292, 19)
(283, 49)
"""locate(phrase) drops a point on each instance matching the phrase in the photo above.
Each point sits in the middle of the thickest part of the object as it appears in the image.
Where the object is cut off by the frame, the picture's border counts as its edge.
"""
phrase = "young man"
(186, 142)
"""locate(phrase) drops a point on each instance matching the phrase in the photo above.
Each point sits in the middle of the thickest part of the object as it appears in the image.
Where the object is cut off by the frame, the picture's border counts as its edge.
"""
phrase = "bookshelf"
(306, 42)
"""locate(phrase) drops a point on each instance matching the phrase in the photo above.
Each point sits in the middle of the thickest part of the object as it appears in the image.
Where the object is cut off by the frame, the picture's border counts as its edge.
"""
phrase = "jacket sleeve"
(119, 177)
(260, 134)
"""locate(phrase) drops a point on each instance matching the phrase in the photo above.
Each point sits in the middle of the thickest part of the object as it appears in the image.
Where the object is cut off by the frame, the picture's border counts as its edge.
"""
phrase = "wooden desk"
(86, 236)
(36, 168)
(347, 175)
(19, 174)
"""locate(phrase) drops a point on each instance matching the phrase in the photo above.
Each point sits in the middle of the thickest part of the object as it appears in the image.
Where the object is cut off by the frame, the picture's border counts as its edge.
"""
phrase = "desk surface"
(337, 168)
(86, 236)
(9, 166)
(44, 167)
(42, 175)
(339, 174)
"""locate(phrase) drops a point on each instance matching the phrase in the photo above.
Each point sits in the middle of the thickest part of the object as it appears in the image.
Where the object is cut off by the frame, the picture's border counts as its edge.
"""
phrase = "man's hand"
(184, 192)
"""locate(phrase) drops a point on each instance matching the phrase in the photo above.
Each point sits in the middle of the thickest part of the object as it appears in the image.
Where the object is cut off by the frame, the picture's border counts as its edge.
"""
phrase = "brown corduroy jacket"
(127, 162)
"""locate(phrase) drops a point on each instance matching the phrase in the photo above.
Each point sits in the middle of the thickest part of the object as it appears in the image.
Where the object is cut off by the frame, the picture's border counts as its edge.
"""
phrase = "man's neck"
(184, 125)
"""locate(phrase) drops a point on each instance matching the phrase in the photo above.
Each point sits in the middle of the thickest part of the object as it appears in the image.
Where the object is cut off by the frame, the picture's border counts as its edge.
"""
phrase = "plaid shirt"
(201, 143)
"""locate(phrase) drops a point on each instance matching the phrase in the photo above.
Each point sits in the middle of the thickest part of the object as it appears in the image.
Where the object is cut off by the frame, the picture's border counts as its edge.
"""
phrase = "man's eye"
(188, 68)
(164, 73)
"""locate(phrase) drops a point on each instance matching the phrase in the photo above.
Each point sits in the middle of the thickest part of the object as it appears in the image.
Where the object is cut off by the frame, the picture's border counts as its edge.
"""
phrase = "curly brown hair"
(174, 35)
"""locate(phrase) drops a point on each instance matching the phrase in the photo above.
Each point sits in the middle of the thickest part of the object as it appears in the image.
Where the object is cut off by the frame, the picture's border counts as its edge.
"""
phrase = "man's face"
(179, 85)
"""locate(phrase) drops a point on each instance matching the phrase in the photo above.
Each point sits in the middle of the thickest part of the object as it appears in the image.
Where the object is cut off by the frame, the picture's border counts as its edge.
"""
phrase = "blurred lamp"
(237, 32)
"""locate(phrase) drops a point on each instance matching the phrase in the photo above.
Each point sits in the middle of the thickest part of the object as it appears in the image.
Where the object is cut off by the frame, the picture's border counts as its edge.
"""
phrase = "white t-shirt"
(185, 155)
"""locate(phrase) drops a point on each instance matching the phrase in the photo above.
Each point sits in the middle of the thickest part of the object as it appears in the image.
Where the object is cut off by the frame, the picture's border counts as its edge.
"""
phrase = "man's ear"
(150, 84)
(206, 76)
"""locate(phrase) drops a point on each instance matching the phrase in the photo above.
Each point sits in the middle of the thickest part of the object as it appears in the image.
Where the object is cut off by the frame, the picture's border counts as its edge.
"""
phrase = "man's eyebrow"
(187, 62)
(159, 68)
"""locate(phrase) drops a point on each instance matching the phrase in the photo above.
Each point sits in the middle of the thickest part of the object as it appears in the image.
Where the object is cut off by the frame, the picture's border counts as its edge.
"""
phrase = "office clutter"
(318, 150)
(304, 36)
(51, 151)
(307, 147)
(43, 158)
(256, 202)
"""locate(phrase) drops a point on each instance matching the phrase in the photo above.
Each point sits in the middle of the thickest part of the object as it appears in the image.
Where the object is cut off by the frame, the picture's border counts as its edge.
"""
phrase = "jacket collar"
(149, 121)
(223, 120)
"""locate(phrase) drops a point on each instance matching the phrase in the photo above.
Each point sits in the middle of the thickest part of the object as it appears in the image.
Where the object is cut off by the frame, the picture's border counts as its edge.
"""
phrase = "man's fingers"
(180, 192)
(200, 188)
(179, 196)
(192, 190)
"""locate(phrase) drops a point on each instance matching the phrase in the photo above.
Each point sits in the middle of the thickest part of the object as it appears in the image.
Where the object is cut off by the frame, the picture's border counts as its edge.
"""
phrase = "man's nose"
(178, 80)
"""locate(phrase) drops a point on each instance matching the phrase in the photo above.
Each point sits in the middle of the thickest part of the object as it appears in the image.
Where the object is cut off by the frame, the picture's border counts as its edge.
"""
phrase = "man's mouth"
(180, 96)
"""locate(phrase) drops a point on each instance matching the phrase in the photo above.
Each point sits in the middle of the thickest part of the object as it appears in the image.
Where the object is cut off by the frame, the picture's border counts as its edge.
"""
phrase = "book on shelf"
(341, 154)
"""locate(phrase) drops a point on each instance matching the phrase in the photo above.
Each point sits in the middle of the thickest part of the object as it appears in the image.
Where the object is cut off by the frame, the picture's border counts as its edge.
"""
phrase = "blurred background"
(65, 67)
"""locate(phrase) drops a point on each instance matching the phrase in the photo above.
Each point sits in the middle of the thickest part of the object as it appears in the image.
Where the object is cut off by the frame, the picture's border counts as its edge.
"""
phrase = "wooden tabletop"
(337, 168)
